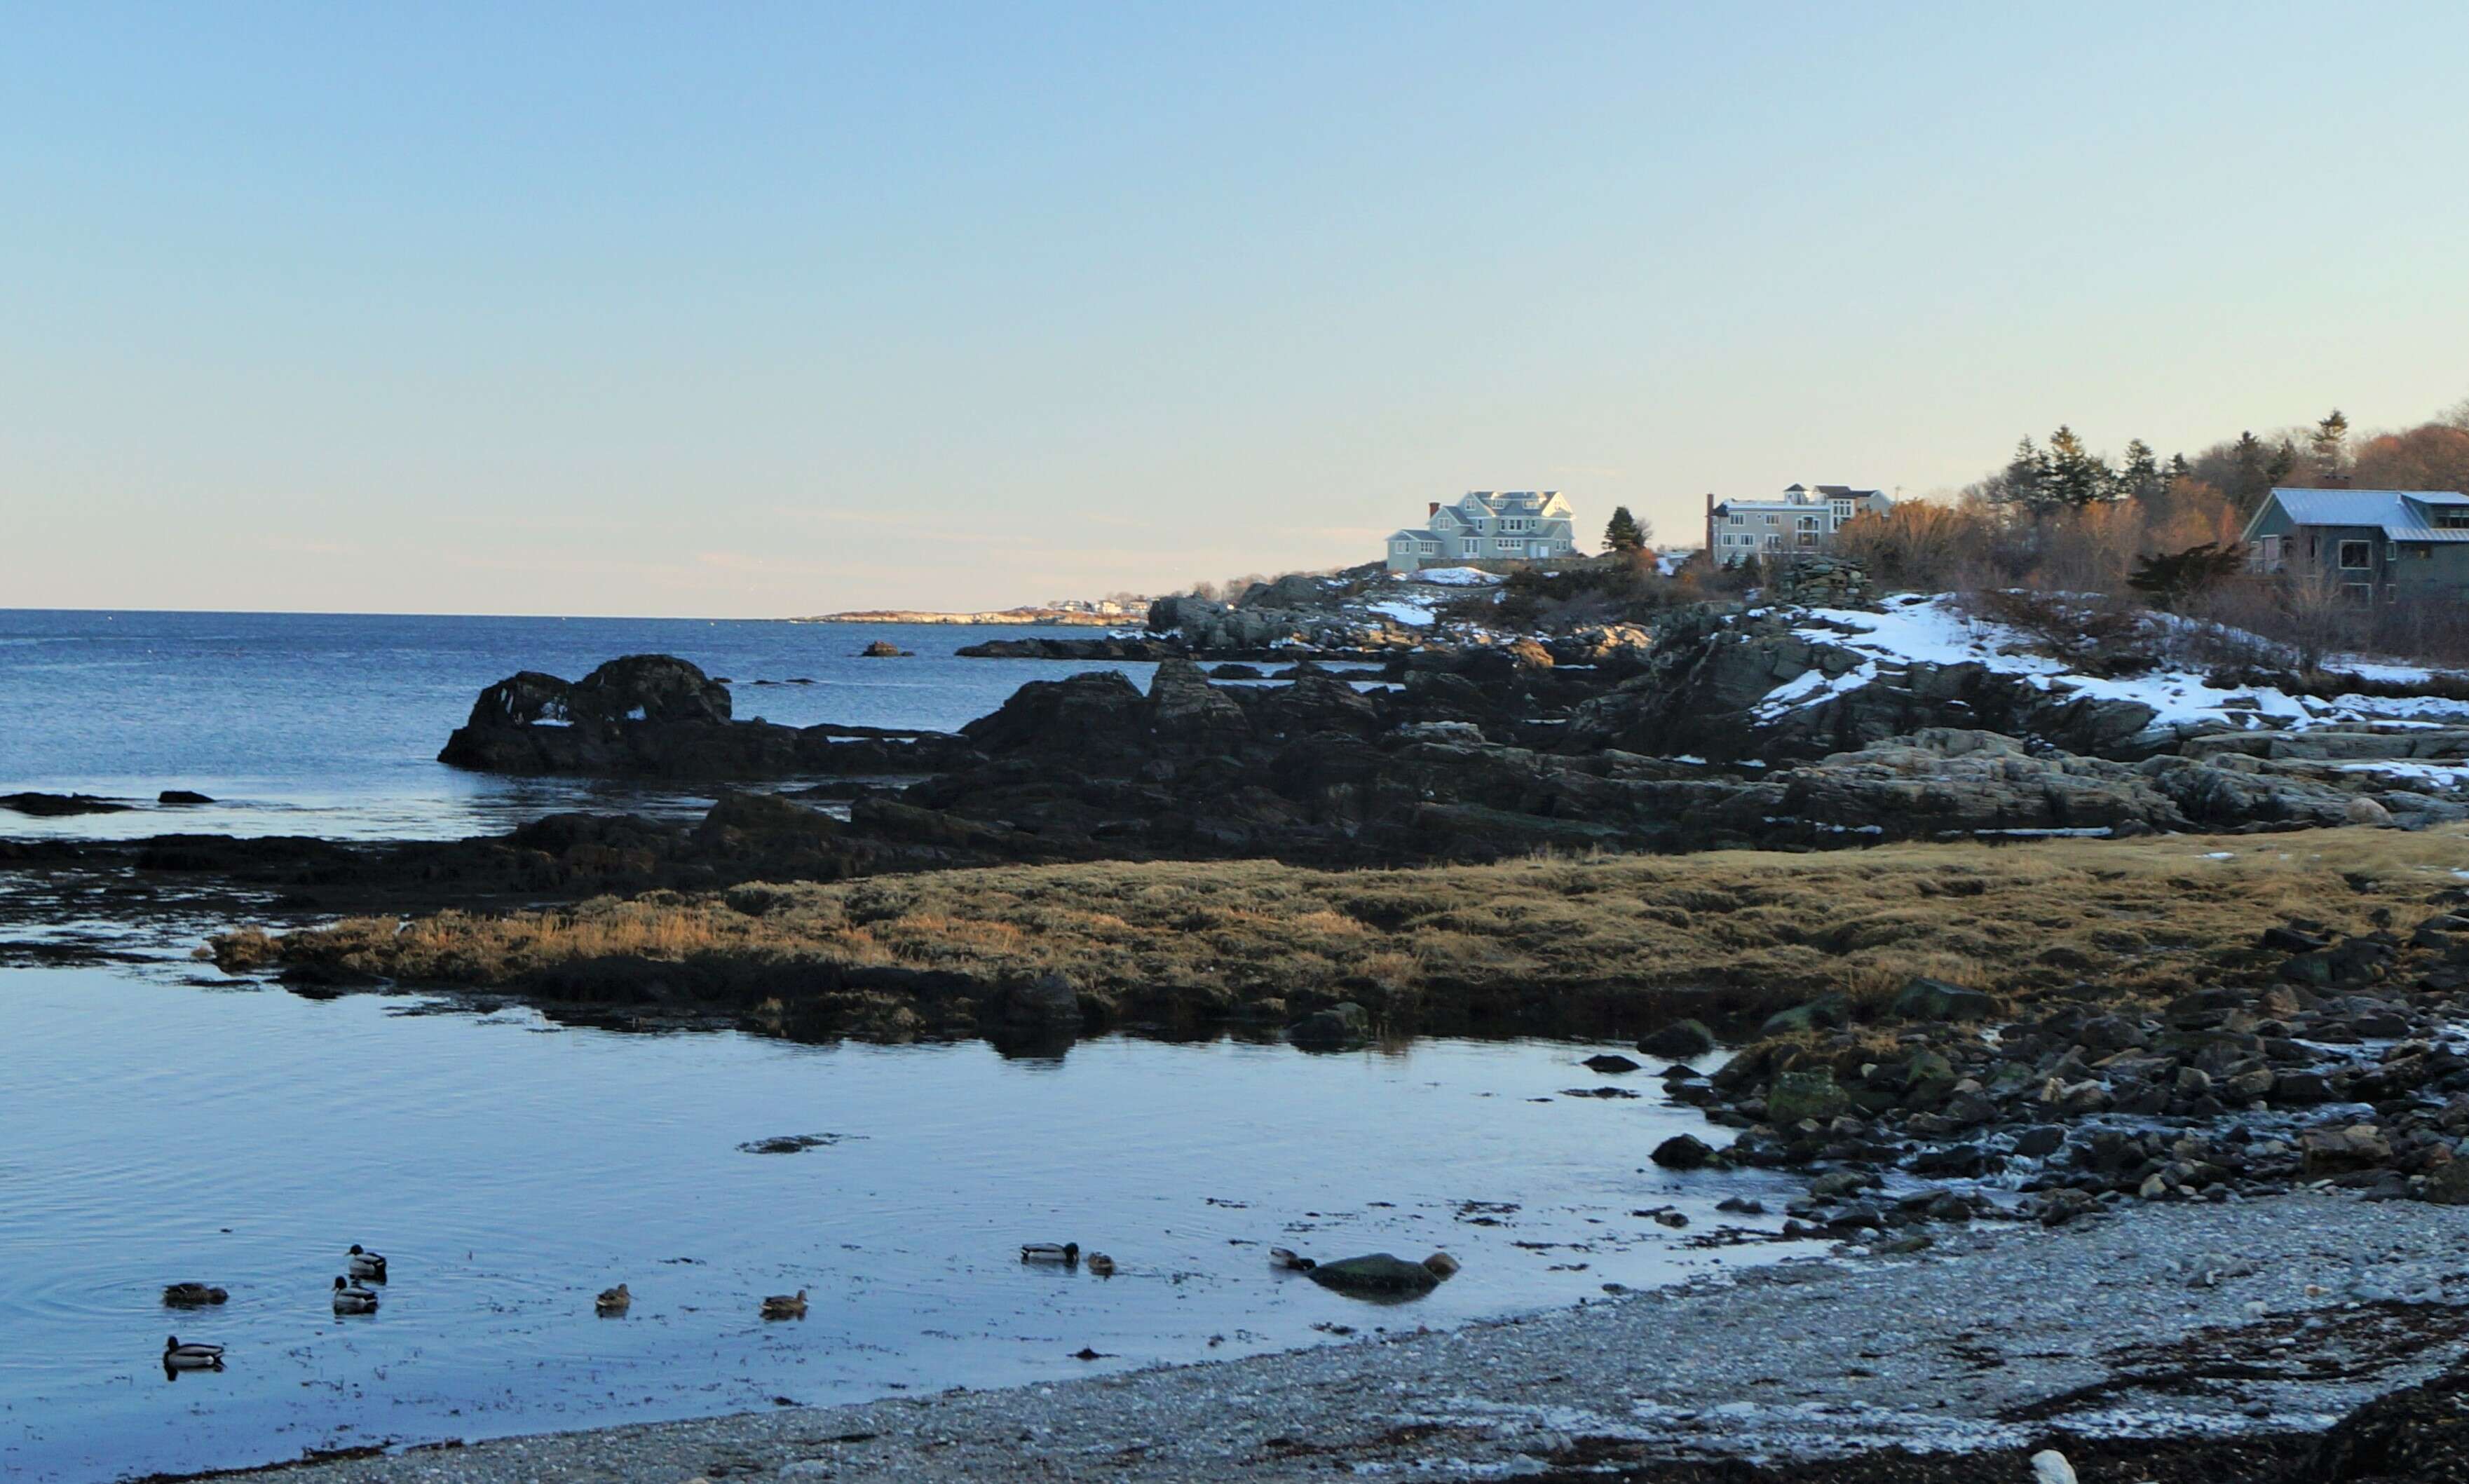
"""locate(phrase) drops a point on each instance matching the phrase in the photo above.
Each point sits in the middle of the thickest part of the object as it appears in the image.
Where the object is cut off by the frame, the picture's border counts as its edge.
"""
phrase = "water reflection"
(513, 1165)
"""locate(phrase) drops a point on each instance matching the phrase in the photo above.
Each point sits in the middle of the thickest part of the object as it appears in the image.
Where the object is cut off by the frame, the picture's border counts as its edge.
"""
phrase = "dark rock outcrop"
(659, 716)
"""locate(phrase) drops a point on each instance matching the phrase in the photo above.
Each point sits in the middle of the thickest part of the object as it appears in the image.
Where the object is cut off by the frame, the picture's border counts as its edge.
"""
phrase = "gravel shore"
(2191, 1319)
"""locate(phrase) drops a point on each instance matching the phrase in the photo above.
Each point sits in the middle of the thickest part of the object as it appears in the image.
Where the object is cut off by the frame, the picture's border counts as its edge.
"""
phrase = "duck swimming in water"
(614, 1301)
(178, 1356)
(368, 1266)
(785, 1306)
(1101, 1264)
(350, 1298)
(191, 1295)
(1067, 1253)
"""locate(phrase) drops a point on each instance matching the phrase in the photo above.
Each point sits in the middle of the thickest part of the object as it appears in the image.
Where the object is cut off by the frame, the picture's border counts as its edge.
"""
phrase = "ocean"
(329, 724)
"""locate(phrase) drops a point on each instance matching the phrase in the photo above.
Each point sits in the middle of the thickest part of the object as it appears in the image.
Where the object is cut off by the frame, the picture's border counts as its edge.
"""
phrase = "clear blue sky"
(745, 310)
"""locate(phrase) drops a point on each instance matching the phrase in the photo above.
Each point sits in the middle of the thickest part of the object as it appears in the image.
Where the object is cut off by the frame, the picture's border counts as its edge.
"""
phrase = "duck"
(1066, 1253)
(191, 1295)
(785, 1306)
(1287, 1259)
(1101, 1264)
(614, 1301)
(350, 1298)
(1443, 1265)
(178, 1356)
(365, 1265)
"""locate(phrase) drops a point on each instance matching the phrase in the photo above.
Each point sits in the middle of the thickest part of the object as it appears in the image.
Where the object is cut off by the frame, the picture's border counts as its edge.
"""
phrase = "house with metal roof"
(1804, 518)
(1487, 525)
(2380, 545)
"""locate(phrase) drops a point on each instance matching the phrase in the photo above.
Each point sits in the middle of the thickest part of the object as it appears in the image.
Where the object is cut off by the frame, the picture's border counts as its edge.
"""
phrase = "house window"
(2356, 556)
(2452, 520)
(1770, 521)
(2271, 553)
(1431, 548)
(1737, 519)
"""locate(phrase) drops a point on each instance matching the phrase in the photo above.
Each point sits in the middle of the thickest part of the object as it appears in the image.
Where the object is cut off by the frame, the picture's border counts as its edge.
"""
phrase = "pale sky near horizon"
(773, 310)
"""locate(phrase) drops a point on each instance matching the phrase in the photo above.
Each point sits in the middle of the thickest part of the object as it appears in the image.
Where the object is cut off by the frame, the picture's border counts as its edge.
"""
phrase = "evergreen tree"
(1624, 533)
(2249, 477)
(2077, 477)
(2140, 478)
(2330, 442)
(2180, 469)
(2283, 464)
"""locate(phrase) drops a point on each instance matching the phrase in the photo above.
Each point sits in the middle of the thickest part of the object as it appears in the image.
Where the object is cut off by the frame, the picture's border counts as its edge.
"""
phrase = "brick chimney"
(1431, 510)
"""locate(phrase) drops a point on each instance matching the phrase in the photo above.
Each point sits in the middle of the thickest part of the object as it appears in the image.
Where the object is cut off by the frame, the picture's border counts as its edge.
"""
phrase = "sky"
(754, 311)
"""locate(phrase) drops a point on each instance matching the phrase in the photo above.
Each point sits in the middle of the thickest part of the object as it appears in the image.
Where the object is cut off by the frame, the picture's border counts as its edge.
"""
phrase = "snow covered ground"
(1929, 629)
(1457, 577)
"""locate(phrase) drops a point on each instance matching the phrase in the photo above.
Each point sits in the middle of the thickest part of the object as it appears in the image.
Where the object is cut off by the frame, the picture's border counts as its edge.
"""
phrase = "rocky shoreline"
(2241, 1343)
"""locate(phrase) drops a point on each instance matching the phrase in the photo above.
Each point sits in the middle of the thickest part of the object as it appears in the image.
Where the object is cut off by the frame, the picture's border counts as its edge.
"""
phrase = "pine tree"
(2250, 479)
(2330, 442)
(2077, 477)
(2283, 464)
(1624, 533)
(2140, 478)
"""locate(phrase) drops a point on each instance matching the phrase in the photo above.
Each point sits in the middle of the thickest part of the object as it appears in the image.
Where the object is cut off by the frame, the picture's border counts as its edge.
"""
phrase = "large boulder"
(1185, 708)
(1679, 1041)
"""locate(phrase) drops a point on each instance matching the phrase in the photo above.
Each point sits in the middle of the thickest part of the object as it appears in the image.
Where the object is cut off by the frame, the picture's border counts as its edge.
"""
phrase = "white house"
(1507, 526)
(1803, 520)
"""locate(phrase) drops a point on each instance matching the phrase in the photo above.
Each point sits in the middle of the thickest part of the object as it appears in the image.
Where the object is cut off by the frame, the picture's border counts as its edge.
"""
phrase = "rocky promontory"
(659, 716)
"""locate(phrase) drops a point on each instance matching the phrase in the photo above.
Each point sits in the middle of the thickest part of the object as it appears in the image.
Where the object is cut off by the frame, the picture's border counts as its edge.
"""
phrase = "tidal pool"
(510, 1168)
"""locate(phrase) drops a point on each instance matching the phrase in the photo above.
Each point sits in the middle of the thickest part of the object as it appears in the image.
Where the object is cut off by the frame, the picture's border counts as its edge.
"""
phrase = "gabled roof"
(2390, 509)
(1415, 535)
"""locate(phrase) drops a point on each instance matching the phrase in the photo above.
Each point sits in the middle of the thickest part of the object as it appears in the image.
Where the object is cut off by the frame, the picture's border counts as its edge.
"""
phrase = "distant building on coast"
(1486, 526)
(2379, 546)
(1804, 518)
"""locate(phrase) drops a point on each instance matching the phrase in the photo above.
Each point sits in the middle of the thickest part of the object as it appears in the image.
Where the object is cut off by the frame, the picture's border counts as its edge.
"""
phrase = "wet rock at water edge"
(1048, 999)
(788, 1144)
(884, 649)
(1342, 1025)
(1678, 1041)
(1609, 1065)
(1685, 1152)
(181, 795)
(1376, 1273)
(44, 807)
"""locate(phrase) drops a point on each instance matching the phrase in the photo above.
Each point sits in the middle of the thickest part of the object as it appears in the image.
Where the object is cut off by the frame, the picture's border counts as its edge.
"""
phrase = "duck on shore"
(178, 1356)
(350, 1298)
(369, 1267)
(614, 1301)
(191, 1295)
(1067, 1253)
(785, 1306)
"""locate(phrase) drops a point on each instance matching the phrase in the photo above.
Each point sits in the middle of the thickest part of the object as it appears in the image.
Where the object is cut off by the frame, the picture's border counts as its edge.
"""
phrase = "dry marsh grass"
(2129, 918)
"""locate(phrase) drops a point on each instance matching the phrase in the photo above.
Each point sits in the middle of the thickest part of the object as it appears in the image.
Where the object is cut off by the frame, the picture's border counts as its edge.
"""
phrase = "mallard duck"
(1441, 1265)
(1066, 1253)
(1285, 1258)
(785, 1306)
(614, 1301)
(178, 1356)
(364, 1265)
(191, 1295)
(350, 1298)
(1101, 1264)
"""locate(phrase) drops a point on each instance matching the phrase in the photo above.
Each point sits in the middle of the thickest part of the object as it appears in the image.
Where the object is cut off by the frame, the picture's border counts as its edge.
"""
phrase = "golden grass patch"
(2129, 918)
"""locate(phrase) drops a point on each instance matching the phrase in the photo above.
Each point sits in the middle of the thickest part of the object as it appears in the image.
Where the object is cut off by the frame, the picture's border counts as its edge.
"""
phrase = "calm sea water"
(329, 723)
(159, 1131)
(156, 1128)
